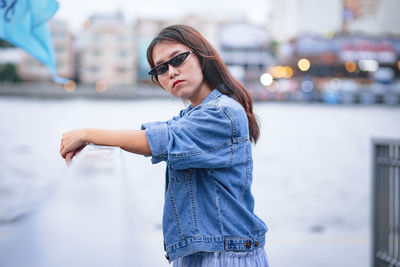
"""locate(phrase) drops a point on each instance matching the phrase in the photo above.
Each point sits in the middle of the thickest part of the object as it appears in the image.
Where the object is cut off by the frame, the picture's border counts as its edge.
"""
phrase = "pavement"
(89, 219)
(85, 221)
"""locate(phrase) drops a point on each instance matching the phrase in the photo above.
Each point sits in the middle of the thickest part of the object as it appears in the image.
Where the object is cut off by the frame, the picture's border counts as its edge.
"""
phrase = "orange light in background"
(70, 86)
(274, 71)
(288, 72)
(101, 86)
(350, 66)
(398, 64)
(279, 72)
(304, 64)
(86, 24)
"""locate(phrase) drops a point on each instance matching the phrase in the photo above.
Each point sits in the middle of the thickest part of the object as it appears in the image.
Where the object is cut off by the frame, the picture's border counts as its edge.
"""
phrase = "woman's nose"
(172, 71)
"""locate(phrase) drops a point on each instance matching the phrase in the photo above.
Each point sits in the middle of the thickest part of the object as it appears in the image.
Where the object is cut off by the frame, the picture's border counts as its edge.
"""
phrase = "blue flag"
(24, 24)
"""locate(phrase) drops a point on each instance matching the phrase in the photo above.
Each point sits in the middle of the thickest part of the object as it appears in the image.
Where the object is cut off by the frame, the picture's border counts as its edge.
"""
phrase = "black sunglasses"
(175, 62)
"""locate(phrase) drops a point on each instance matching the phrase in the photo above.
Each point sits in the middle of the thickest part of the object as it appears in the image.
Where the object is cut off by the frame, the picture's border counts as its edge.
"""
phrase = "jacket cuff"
(157, 137)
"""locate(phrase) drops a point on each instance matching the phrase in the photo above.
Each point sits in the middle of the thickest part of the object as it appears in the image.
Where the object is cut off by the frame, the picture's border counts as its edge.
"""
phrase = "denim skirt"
(255, 258)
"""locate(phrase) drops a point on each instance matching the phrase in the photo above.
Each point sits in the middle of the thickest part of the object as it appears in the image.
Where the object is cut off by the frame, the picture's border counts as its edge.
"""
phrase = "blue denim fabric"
(208, 202)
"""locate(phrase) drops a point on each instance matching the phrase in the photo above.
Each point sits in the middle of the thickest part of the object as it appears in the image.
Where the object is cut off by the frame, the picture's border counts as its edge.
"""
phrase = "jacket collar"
(211, 96)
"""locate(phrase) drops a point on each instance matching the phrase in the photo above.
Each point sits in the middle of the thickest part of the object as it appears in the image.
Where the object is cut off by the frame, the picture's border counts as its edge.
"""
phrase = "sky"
(76, 11)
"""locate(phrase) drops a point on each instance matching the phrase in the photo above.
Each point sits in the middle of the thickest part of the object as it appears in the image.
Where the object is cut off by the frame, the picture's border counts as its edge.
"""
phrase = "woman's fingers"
(71, 144)
(65, 150)
(70, 141)
(68, 157)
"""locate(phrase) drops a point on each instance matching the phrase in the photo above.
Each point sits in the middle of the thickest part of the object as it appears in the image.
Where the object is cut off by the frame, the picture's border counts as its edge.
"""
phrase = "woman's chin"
(182, 93)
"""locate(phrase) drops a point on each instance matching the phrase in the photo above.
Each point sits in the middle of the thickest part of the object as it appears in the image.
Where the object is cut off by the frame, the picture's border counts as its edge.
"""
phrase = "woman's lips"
(176, 82)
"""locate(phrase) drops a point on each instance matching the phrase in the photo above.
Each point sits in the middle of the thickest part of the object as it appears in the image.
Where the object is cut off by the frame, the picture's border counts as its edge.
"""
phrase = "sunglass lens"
(162, 69)
(178, 60)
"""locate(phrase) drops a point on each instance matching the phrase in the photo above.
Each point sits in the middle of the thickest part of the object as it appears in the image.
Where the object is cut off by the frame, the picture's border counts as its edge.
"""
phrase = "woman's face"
(184, 81)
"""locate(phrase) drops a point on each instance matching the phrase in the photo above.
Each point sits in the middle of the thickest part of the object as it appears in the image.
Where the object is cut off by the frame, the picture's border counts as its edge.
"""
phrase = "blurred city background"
(311, 51)
(325, 77)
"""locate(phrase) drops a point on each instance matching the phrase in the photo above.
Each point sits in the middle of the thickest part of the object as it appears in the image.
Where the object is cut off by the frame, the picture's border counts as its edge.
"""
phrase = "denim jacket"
(208, 202)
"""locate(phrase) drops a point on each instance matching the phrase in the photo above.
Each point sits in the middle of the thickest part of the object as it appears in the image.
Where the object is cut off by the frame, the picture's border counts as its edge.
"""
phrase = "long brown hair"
(215, 72)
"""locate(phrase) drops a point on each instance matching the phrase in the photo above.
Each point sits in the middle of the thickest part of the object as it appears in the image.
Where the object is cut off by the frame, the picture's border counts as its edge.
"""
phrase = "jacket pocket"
(180, 210)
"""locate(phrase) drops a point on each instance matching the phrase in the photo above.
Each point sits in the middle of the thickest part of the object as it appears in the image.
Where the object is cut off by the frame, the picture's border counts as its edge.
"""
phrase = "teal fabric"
(23, 23)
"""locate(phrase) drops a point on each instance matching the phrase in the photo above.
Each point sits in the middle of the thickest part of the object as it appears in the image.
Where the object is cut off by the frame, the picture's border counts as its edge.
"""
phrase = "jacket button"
(166, 256)
(247, 244)
(256, 243)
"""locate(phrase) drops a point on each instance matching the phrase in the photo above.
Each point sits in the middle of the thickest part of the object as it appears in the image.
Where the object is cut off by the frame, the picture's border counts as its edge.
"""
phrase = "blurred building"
(9, 59)
(30, 69)
(107, 51)
(291, 18)
(245, 49)
(376, 17)
(348, 56)
(147, 29)
(10, 55)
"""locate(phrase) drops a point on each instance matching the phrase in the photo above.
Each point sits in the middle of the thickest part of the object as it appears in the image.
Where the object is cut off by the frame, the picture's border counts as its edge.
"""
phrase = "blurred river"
(312, 184)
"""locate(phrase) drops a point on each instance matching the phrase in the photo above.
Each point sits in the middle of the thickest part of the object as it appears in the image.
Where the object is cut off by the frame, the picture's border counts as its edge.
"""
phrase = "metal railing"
(386, 203)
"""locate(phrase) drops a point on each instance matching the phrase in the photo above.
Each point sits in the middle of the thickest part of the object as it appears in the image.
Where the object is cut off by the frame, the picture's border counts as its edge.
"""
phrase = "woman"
(208, 215)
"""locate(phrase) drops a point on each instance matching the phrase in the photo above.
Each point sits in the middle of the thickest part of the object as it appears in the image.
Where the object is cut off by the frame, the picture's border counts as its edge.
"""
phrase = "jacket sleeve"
(202, 139)
(151, 124)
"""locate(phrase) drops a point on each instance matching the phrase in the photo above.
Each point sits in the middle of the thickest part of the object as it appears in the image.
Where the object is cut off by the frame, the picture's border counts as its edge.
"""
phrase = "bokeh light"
(304, 64)
(279, 72)
(350, 66)
(329, 35)
(101, 86)
(307, 86)
(266, 79)
(368, 65)
(288, 72)
(335, 83)
(86, 24)
(70, 86)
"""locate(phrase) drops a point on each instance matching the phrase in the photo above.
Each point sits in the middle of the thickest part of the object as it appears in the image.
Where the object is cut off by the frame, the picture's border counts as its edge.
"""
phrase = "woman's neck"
(202, 93)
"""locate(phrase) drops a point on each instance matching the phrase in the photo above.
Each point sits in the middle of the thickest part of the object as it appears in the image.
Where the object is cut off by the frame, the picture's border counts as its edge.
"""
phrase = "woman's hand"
(70, 155)
(72, 143)
(134, 141)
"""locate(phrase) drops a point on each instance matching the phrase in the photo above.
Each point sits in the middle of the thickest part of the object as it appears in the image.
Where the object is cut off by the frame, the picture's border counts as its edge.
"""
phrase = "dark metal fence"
(386, 203)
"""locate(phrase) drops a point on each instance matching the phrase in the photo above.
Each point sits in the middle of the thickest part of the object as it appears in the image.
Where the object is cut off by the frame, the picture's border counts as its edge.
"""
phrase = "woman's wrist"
(87, 136)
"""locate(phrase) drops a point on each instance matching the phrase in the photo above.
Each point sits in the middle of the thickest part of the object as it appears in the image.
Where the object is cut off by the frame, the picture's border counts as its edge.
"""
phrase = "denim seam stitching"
(193, 206)
(189, 239)
(218, 207)
(233, 135)
(176, 216)
(196, 153)
(246, 182)
(230, 117)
